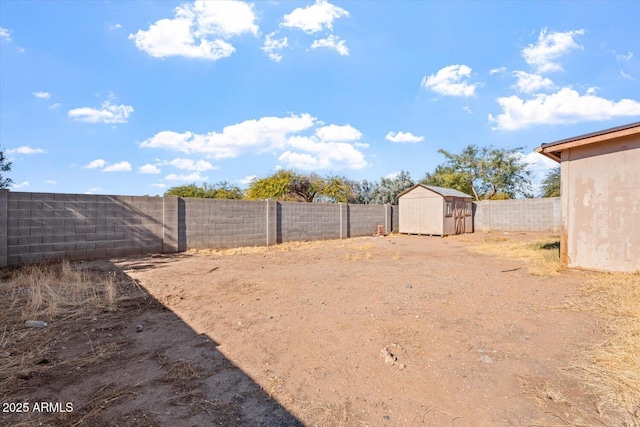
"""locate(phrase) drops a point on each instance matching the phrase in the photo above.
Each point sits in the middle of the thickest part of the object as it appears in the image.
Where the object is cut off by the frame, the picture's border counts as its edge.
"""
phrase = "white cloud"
(538, 162)
(198, 166)
(361, 144)
(550, 46)
(118, 167)
(108, 113)
(198, 30)
(93, 190)
(94, 164)
(337, 133)
(159, 185)
(539, 165)
(330, 146)
(149, 169)
(314, 18)
(626, 76)
(5, 34)
(25, 149)
(51, 182)
(564, 106)
(497, 70)
(626, 57)
(467, 109)
(42, 95)
(313, 154)
(115, 26)
(265, 133)
(451, 81)
(333, 43)
(195, 176)
(403, 137)
(247, 180)
(22, 185)
(54, 105)
(272, 47)
(530, 83)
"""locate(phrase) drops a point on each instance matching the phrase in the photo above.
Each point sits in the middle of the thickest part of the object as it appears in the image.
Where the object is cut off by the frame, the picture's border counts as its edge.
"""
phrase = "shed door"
(458, 215)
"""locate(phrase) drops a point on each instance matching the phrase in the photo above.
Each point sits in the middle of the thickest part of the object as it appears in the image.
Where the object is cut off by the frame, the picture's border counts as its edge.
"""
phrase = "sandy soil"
(399, 330)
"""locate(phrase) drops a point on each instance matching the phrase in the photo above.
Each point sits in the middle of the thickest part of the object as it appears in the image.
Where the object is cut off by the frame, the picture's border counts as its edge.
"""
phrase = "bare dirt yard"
(396, 330)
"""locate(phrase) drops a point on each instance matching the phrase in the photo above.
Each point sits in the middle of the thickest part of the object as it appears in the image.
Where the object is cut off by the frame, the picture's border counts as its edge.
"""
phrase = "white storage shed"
(439, 211)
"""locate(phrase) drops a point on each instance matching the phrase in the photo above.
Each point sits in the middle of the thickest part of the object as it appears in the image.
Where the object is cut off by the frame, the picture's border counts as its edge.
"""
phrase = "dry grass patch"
(281, 247)
(541, 256)
(49, 291)
(612, 368)
(52, 292)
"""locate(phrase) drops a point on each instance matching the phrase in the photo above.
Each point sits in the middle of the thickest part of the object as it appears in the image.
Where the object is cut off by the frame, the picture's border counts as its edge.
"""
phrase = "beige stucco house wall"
(600, 198)
(433, 210)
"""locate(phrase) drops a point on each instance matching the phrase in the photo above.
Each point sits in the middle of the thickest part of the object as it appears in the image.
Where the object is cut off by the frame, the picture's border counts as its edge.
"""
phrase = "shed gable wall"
(601, 205)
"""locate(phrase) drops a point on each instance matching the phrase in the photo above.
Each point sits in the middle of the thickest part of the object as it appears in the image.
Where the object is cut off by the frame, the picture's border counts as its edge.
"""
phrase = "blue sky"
(126, 97)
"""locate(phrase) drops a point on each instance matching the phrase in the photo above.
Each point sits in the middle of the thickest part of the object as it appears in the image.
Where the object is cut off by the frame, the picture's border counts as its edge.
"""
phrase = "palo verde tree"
(288, 185)
(221, 190)
(550, 186)
(485, 172)
(5, 166)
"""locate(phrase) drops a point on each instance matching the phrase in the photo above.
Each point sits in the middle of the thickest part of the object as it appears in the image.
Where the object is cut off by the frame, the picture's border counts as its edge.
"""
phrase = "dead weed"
(612, 368)
(53, 292)
(542, 257)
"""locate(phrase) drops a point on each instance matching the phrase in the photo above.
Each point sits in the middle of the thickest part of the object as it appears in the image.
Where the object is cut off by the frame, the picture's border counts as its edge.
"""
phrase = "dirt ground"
(396, 330)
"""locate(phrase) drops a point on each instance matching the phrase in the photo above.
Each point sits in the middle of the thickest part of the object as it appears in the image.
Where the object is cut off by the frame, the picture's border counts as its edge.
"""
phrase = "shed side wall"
(602, 205)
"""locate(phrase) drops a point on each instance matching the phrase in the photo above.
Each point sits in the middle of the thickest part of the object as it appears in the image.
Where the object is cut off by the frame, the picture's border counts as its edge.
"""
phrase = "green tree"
(485, 172)
(363, 192)
(390, 188)
(288, 185)
(550, 186)
(221, 190)
(5, 166)
(379, 193)
(446, 176)
(337, 189)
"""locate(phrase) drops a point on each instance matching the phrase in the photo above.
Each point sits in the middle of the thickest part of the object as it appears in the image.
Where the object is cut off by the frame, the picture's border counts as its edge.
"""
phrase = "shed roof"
(443, 191)
(553, 149)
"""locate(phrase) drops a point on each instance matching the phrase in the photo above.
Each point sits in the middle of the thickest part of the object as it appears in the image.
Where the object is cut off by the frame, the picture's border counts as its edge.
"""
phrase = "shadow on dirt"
(138, 365)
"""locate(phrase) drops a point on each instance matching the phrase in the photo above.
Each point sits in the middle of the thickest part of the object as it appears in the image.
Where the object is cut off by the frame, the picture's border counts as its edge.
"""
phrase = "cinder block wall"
(43, 226)
(217, 223)
(364, 219)
(308, 221)
(542, 215)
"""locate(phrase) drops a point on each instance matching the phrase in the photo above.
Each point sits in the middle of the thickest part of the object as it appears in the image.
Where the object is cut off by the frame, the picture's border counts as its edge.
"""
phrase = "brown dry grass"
(612, 368)
(53, 292)
(49, 291)
(282, 247)
(541, 256)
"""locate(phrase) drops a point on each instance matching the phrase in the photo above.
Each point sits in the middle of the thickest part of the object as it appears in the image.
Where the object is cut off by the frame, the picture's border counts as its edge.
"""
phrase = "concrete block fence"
(45, 226)
(541, 215)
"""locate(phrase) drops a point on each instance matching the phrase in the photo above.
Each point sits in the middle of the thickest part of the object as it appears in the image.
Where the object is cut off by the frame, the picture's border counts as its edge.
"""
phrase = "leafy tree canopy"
(288, 185)
(221, 190)
(550, 186)
(5, 166)
(484, 172)
(384, 192)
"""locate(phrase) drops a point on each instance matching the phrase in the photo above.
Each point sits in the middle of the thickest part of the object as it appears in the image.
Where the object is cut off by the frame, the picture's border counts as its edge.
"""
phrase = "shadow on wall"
(160, 373)
(474, 209)
(45, 226)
